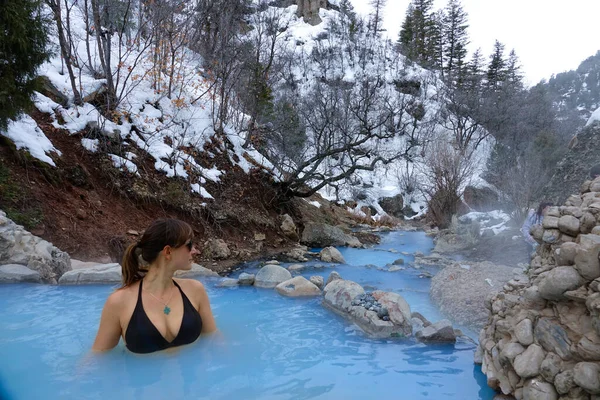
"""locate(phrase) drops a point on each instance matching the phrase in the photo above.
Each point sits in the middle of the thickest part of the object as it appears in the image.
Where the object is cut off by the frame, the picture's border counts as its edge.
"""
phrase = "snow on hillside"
(594, 117)
(162, 126)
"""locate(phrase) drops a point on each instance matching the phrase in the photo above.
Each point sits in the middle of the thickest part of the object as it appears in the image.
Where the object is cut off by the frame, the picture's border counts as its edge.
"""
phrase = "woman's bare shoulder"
(189, 283)
(120, 296)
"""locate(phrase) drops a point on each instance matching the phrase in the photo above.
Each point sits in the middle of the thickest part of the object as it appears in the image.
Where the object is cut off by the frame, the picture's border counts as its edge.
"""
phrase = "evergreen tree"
(376, 17)
(472, 75)
(423, 27)
(496, 73)
(513, 75)
(436, 42)
(23, 40)
(455, 37)
(407, 34)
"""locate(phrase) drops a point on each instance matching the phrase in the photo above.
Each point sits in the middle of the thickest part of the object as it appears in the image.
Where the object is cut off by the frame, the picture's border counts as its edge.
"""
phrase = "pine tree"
(407, 34)
(23, 40)
(514, 78)
(472, 76)
(422, 23)
(496, 73)
(455, 37)
(376, 17)
(435, 41)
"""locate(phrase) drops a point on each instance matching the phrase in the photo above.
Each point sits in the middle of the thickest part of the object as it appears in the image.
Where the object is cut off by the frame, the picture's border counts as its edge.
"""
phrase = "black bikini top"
(143, 337)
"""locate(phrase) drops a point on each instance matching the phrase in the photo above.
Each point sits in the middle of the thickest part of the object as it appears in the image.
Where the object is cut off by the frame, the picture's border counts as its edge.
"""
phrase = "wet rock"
(99, 274)
(439, 332)
(298, 287)
(15, 273)
(339, 293)
(246, 279)
(318, 281)
(331, 255)
(332, 277)
(270, 276)
(228, 282)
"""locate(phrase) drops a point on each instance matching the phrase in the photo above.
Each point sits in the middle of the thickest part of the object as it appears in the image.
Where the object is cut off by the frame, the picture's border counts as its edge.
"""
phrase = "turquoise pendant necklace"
(167, 309)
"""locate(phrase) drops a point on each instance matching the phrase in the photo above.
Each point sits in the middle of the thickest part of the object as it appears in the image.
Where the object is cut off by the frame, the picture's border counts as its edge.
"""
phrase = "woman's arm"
(208, 320)
(527, 224)
(109, 331)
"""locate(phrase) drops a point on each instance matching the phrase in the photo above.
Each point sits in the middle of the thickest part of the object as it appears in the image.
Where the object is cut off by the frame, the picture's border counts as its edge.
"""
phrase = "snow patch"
(26, 134)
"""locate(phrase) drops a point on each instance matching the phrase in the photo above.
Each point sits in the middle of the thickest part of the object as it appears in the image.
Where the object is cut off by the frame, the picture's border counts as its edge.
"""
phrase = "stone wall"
(542, 340)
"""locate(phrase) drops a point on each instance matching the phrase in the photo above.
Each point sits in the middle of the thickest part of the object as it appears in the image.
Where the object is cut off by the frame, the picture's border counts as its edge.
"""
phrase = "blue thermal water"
(269, 346)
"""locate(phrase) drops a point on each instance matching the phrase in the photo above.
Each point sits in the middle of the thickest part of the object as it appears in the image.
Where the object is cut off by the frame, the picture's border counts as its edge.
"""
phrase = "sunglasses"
(189, 245)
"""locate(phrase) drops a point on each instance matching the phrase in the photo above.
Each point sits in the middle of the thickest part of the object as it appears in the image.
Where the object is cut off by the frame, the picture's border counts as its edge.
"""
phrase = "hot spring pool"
(270, 347)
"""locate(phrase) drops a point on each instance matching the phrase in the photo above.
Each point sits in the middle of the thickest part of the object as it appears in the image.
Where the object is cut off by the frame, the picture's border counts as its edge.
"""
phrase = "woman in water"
(153, 311)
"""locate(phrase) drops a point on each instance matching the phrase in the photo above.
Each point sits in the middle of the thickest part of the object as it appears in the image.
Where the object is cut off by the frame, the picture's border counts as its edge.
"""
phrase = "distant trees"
(23, 40)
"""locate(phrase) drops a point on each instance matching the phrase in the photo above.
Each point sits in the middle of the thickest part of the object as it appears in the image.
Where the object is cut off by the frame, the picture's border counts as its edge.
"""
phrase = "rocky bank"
(542, 339)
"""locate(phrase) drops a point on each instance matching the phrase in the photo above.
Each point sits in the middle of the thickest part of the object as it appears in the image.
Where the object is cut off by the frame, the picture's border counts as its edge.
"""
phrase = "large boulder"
(322, 235)
(298, 287)
(309, 10)
(99, 274)
(382, 315)
(270, 276)
(18, 246)
(331, 255)
(288, 227)
(557, 281)
(481, 198)
(393, 205)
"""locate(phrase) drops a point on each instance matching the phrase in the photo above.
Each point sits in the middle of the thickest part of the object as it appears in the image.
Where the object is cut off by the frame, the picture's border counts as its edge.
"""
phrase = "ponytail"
(139, 256)
(130, 266)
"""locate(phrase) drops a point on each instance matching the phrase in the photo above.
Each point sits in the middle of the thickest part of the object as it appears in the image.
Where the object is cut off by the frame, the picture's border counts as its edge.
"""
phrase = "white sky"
(549, 36)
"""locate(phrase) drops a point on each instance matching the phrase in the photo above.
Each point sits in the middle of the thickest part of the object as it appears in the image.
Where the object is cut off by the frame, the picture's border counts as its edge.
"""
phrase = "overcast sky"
(549, 36)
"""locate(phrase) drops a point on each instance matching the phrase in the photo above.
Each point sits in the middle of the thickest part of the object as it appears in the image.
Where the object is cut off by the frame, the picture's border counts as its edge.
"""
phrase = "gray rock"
(550, 222)
(588, 347)
(196, 271)
(550, 367)
(552, 337)
(586, 258)
(439, 332)
(288, 227)
(298, 287)
(332, 277)
(331, 255)
(397, 309)
(565, 254)
(586, 375)
(550, 236)
(228, 282)
(524, 332)
(569, 224)
(564, 382)
(272, 262)
(101, 273)
(510, 351)
(318, 281)
(557, 281)
(535, 389)
(323, 235)
(15, 273)
(246, 279)
(528, 363)
(296, 267)
(393, 205)
(270, 276)
(217, 249)
(339, 293)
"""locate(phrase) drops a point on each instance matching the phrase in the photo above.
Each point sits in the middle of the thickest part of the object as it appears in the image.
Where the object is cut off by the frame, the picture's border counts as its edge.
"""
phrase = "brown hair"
(161, 233)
